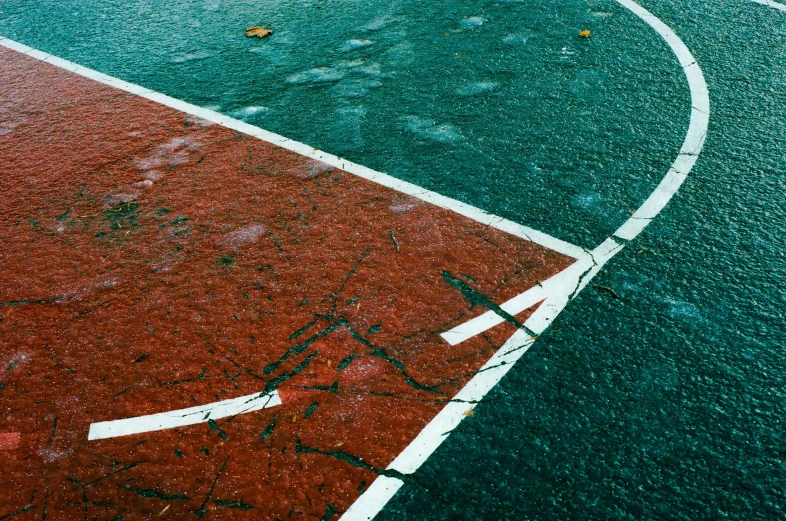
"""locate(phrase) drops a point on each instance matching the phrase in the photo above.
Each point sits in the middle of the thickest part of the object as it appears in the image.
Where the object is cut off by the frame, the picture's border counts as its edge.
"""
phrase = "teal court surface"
(395, 261)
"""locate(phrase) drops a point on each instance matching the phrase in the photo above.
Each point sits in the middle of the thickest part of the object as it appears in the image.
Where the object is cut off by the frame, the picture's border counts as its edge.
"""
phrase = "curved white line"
(694, 140)
(663, 193)
(562, 288)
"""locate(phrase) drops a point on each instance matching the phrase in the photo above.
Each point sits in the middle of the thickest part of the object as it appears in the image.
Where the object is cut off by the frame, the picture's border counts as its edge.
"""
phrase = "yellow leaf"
(469, 412)
(585, 33)
(259, 32)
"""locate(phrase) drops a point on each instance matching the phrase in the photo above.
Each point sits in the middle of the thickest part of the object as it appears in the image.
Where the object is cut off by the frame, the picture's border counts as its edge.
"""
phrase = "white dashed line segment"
(558, 290)
(183, 417)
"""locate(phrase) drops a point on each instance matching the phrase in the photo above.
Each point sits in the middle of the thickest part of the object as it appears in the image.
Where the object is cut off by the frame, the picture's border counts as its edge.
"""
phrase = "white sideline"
(566, 286)
(369, 504)
(183, 417)
(561, 288)
(476, 214)
(774, 5)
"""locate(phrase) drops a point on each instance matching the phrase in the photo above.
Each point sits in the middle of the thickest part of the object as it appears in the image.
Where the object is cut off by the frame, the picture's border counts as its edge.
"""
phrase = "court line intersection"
(566, 286)
(552, 294)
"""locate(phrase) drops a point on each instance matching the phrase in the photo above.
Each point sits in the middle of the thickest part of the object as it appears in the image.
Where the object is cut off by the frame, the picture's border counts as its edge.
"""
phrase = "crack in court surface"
(175, 285)
(186, 252)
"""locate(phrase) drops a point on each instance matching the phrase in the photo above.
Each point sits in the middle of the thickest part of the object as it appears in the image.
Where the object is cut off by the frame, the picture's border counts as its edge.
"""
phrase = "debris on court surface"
(584, 34)
(259, 32)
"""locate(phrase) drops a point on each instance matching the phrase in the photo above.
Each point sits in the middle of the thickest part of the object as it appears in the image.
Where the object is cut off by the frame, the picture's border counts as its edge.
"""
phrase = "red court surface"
(152, 261)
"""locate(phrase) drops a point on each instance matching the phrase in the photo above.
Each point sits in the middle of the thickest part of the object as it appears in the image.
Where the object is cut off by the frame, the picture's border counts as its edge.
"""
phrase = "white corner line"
(566, 285)
(471, 212)
(774, 5)
(183, 417)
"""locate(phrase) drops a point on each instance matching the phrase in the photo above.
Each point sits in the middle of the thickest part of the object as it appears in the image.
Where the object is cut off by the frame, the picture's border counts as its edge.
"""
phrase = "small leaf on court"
(584, 34)
(259, 32)
(469, 413)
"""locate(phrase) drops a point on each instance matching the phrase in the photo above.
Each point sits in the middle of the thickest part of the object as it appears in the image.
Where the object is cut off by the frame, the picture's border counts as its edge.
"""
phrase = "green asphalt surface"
(660, 392)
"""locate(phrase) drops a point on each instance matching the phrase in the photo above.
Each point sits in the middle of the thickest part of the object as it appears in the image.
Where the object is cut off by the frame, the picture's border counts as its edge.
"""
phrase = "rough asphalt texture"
(660, 399)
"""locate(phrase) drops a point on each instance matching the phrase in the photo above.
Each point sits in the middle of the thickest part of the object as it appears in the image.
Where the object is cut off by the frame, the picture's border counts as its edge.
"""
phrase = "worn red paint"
(9, 440)
(151, 261)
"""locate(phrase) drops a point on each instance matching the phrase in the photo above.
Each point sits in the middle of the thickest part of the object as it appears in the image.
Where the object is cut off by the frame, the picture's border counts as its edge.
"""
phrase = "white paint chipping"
(434, 198)
(558, 290)
(774, 5)
(183, 417)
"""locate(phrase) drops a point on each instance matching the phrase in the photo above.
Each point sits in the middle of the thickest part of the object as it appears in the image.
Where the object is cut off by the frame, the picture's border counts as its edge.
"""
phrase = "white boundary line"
(557, 291)
(561, 288)
(774, 5)
(689, 153)
(694, 140)
(434, 198)
(183, 417)
(518, 303)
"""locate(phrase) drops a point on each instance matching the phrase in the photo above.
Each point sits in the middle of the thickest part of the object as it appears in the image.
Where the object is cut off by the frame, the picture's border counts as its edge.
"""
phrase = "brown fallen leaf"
(585, 33)
(259, 32)
(469, 413)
